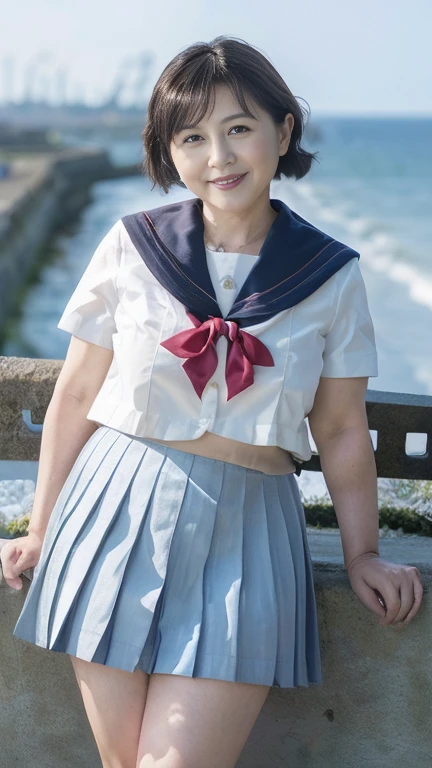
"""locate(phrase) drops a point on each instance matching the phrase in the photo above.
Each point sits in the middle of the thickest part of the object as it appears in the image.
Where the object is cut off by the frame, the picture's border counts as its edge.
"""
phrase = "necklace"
(221, 248)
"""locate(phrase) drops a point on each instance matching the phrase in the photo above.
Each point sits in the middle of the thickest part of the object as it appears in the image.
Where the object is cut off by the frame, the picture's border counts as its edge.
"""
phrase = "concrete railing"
(27, 384)
(373, 707)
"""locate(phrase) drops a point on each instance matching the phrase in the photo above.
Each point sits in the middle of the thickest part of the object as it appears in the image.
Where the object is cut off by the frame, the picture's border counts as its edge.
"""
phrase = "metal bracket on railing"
(27, 419)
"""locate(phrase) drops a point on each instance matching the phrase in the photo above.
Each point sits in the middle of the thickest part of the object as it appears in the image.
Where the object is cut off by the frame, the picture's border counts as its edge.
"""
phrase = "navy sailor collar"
(295, 260)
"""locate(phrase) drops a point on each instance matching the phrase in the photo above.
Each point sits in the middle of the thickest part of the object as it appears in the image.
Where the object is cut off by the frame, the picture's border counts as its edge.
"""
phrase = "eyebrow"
(225, 120)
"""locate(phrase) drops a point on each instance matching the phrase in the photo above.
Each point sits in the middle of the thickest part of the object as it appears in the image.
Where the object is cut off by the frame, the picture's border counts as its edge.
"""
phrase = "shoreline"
(43, 192)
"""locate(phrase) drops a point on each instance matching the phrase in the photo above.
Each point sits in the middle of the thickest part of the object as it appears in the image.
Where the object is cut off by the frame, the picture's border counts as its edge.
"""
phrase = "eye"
(242, 126)
(186, 140)
(196, 135)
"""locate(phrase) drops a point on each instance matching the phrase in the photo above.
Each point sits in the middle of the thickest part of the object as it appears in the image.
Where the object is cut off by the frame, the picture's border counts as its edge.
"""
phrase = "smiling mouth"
(228, 181)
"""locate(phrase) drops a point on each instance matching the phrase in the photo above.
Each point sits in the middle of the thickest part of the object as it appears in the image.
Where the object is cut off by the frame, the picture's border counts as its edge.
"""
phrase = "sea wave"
(380, 251)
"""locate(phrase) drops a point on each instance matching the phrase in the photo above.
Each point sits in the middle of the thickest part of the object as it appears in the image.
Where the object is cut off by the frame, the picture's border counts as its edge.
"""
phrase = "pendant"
(221, 249)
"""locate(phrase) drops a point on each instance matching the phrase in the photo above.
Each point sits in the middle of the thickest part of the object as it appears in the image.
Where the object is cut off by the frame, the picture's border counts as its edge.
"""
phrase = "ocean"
(371, 189)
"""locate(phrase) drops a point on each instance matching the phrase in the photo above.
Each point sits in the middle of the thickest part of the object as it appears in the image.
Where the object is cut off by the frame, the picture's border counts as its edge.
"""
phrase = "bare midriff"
(270, 459)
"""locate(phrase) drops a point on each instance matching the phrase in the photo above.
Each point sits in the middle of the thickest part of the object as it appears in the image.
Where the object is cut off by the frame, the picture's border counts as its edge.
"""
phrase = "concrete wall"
(373, 708)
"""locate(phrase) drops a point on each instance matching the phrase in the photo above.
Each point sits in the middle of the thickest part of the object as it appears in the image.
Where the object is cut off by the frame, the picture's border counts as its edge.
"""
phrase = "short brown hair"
(182, 95)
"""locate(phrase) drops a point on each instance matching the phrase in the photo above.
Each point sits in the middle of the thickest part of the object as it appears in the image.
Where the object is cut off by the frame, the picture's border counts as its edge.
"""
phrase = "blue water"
(372, 189)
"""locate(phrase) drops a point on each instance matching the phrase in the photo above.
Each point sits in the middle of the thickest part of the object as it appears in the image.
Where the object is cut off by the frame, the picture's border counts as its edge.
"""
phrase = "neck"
(238, 231)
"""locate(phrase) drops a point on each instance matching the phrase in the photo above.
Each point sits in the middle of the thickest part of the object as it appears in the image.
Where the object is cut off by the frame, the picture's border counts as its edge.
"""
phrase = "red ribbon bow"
(199, 346)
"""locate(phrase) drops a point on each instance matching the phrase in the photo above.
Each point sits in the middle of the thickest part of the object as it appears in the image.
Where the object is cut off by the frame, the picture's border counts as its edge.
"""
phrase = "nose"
(220, 154)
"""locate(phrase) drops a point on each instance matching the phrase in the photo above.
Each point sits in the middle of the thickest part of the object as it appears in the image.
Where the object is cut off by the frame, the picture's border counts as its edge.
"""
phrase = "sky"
(342, 57)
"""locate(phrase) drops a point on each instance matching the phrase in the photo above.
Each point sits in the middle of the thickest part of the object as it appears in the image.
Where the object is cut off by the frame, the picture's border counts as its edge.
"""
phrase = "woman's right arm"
(66, 428)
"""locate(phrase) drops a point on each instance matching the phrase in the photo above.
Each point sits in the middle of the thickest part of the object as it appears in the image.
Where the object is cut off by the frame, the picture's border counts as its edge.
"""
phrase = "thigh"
(196, 722)
(114, 701)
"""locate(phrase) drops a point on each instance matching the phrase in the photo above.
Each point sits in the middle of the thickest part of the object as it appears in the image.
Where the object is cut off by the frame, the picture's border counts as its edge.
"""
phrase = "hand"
(399, 586)
(19, 554)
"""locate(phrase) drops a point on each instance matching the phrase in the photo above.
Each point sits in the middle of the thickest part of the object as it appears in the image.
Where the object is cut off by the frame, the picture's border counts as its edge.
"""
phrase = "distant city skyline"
(370, 59)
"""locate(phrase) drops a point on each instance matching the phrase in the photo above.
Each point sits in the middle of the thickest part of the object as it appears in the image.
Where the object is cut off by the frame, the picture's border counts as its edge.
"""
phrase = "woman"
(174, 568)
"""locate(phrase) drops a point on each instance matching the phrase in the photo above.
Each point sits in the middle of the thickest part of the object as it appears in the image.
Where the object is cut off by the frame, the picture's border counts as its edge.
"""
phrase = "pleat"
(85, 466)
(90, 511)
(95, 567)
(258, 607)
(285, 574)
(181, 610)
(217, 645)
(168, 562)
(287, 512)
(311, 628)
(148, 555)
(33, 620)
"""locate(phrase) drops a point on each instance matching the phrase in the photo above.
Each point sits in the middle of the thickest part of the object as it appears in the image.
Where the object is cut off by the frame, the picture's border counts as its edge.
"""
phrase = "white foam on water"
(380, 252)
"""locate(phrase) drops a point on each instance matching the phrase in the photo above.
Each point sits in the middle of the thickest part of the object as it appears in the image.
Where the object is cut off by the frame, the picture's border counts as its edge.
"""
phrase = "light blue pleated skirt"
(161, 560)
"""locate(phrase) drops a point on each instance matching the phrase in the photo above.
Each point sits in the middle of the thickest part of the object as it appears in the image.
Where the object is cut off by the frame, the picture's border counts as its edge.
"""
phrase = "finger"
(15, 583)
(406, 599)
(8, 557)
(13, 565)
(11, 579)
(392, 596)
(17, 566)
(410, 595)
(389, 594)
(418, 597)
(380, 608)
(368, 596)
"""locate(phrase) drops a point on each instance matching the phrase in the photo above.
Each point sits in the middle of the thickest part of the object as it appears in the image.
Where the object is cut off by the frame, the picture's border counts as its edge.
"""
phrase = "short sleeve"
(350, 342)
(90, 311)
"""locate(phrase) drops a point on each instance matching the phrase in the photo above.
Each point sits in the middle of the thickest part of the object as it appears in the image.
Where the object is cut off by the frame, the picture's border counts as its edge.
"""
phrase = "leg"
(114, 701)
(196, 722)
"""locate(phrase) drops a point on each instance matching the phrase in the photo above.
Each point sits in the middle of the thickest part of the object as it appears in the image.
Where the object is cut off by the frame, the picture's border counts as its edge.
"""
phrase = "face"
(226, 144)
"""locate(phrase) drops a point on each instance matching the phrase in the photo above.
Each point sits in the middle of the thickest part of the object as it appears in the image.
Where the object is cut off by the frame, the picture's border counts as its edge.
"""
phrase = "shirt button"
(214, 384)
(228, 284)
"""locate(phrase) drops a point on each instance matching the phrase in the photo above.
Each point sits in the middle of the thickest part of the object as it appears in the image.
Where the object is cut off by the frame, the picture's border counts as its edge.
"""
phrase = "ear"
(285, 133)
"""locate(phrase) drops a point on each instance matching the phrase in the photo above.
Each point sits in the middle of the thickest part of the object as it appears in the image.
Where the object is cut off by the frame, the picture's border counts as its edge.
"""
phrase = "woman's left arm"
(339, 426)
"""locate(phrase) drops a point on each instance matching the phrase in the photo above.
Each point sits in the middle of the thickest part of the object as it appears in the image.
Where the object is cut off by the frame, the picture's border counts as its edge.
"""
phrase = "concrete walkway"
(325, 547)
